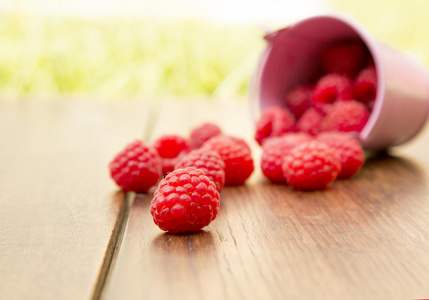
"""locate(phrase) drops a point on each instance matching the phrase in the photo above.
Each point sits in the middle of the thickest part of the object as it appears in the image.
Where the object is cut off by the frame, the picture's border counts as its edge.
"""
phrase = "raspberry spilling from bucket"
(350, 151)
(365, 86)
(345, 57)
(299, 100)
(331, 88)
(275, 121)
(346, 116)
(275, 149)
(311, 166)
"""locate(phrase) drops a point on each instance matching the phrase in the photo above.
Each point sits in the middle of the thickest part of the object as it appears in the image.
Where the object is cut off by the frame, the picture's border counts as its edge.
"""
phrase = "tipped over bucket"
(401, 105)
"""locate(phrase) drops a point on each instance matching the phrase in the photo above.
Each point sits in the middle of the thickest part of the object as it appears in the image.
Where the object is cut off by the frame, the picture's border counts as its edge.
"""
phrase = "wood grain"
(58, 205)
(363, 238)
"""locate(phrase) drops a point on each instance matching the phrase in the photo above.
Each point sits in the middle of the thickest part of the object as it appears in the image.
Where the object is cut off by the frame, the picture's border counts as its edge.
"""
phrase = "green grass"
(401, 24)
(116, 59)
(149, 59)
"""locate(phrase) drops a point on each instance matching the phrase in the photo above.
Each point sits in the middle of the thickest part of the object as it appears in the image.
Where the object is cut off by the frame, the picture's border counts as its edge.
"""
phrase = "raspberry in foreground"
(238, 159)
(332, 87)
(136, 168)
(350, 151)
(299, 99)
(185, 200)
(344, 58)
(346, 116)
(203, 133)
(170, 148)
(209, 162)
(275, 121)
(311, 166)
(365, 85)
(275, 149)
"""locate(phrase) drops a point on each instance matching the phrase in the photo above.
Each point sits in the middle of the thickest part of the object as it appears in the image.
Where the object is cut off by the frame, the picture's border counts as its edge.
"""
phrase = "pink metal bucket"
(401, 106)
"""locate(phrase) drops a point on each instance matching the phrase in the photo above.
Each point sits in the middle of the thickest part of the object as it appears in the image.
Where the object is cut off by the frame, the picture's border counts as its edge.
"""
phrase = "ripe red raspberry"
(332, 87)
(365, 85)
(238, 159)
(311, 166)
(299, 99)
(349, 149)
(275, 121)
(346, 116)
(169, 148)
(203, 133)
(310, 122)
(185, 200)
(136, 168)
(275, 149)
(208, 161)
(344, 58)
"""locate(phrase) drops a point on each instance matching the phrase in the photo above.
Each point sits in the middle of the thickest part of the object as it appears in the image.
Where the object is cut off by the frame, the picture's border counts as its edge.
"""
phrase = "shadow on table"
(184, 244)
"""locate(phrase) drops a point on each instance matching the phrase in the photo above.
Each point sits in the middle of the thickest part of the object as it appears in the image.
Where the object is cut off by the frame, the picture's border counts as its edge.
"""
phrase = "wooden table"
(67, 232)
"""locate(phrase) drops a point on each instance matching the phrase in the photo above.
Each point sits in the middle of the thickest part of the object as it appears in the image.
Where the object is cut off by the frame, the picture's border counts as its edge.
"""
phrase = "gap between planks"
(115, 242)
(113, 246)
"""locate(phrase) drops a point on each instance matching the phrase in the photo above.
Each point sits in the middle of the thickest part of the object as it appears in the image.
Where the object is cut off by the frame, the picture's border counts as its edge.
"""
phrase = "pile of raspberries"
(306, 144)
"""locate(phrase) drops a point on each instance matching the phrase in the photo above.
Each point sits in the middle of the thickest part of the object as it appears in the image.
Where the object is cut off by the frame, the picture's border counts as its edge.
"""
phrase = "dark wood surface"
(61, 234)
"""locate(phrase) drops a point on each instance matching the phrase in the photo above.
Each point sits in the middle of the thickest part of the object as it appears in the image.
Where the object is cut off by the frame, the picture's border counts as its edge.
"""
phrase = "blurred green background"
(122, 57)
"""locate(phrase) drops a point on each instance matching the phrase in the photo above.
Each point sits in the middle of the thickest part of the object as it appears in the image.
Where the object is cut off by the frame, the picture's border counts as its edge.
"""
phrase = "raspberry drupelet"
(185, 200)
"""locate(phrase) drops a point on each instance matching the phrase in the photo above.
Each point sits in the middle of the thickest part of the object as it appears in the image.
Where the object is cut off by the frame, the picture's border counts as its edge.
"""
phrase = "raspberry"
(169, 148)
(208, 161)
(238, 159)
(185, 200)
(346, 116)
(203, 133)
(310, 122)
(275, 121)
(273, 151)
(311, 166)
(330, 88)
(344, 58)
(365, 85)
(299, 100)
(136, 168)
(349, 149)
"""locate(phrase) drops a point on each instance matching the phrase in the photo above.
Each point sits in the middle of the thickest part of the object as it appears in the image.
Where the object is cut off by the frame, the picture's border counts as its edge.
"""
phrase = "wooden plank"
(59, 207)
(363, 238)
